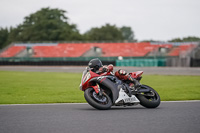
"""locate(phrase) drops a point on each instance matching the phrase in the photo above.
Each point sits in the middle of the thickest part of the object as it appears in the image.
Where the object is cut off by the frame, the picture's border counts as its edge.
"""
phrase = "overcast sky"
(149, 19)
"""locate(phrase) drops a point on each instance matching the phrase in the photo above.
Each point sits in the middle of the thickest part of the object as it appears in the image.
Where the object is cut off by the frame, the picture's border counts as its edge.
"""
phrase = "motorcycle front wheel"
(149, 99)
(99, 102)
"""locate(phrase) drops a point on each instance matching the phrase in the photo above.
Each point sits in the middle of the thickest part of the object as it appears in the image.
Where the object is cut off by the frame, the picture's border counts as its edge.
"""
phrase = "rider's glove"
(110, 68)
(122, 72)
(103, 69)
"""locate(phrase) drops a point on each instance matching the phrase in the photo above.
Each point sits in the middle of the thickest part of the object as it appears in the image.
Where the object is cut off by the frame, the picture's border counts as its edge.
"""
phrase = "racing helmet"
(95, 64)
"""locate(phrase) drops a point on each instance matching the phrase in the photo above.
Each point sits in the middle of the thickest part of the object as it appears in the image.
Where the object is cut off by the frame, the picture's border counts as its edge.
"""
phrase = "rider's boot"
(131, 86)
(126, 89)
(134, 81)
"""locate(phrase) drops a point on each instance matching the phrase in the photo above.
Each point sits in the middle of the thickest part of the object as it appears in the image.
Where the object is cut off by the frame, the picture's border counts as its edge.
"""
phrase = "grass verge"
(51, 87)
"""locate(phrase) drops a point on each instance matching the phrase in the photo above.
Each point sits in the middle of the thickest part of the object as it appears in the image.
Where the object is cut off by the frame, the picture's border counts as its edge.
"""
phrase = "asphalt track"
(169, 117)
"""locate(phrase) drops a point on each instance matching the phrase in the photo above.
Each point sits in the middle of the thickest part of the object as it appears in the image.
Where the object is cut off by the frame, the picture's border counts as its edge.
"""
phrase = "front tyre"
(149, 99)
(99, 102)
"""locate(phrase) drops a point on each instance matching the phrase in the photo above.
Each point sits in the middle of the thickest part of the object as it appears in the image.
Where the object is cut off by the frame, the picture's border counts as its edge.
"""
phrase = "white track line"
(87, 103)
(186, 101)
(40, 104)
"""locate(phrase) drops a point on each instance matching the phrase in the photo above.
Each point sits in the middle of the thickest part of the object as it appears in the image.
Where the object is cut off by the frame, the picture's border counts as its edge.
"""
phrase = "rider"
(96, 66)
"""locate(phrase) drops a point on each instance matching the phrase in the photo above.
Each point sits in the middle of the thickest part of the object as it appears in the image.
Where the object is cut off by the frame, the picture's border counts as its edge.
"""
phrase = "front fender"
(109, 85)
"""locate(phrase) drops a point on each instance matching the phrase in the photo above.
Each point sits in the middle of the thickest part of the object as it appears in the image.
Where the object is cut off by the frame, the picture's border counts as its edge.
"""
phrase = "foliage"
(52, 87)
(105, 33)
(110, 33)
(45, 25)
(3, 37)
(127, 33)
(150, 40)
(52, 25)
(186, 39)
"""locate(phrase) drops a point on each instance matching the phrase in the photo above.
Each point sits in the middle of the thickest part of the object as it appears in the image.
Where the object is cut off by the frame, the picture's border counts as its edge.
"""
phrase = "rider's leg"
(121, 74)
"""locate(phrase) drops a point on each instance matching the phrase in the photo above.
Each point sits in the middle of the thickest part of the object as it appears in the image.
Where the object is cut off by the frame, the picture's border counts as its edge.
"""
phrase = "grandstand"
(105, 51)
(182, 49)
(12, 51)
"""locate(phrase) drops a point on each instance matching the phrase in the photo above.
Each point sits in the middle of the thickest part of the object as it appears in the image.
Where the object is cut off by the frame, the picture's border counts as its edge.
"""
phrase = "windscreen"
(85, 76)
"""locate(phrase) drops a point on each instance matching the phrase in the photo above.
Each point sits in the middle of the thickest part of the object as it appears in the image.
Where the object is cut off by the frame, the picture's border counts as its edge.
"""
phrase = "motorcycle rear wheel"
(102, 103)
(149, 99)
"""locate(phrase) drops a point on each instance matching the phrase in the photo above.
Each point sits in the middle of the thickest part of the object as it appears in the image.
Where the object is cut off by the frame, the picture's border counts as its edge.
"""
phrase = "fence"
(195, 62)
(127, 61)
(54, 61)
(141, 62)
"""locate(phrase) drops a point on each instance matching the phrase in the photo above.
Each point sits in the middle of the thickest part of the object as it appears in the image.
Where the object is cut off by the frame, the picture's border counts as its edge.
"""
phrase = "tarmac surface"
(169, 117)
(79, 69)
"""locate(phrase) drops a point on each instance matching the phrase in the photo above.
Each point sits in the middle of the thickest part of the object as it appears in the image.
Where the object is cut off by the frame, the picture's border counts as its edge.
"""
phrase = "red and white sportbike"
(104, 91)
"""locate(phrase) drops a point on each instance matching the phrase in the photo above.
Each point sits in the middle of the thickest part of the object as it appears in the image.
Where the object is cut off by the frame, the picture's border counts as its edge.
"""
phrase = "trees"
(110, 33)
(3, 37)
(46, 25)
(127, 33)
(186, 39)
(104, 33)
(52, 25)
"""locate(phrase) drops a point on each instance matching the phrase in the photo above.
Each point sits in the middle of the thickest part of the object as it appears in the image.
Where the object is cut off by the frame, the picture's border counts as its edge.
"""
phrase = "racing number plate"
(129, 100)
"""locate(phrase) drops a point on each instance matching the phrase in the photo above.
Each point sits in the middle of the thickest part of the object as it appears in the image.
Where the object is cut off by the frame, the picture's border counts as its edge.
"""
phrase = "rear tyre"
(99, 102)
(149, 99)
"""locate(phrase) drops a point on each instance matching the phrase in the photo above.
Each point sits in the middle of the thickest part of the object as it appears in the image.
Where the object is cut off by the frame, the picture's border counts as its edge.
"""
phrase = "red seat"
(61, 50)
(180, 49)
(12, 51)
(108, 49)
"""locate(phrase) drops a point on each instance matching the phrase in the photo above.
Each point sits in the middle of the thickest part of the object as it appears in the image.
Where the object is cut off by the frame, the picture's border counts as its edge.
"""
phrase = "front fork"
(97, 89)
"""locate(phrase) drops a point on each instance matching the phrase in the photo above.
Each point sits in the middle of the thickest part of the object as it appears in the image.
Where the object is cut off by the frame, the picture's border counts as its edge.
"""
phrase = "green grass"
(39, 87)
(174, 88)
(51, 87)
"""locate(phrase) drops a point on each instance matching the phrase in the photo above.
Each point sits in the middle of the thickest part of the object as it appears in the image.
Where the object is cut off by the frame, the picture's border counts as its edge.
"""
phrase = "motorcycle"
(106, 90)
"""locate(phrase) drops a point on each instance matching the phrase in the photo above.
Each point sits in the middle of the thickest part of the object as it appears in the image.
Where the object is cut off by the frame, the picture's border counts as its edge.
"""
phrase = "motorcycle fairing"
(102, 80)
(86, 77)
(125, 98)
(89, 77)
